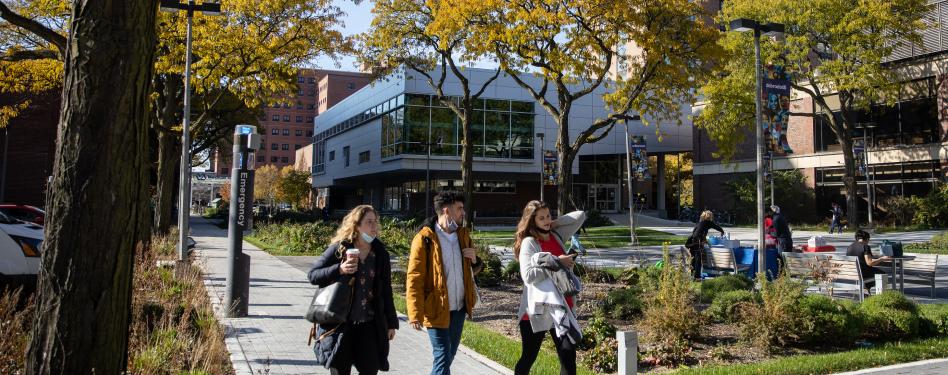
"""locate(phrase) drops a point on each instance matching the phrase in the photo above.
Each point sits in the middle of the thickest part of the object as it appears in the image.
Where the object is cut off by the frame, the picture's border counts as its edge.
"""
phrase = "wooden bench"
(722, 261)
(845, 274)
(922, 270)
(799, 266)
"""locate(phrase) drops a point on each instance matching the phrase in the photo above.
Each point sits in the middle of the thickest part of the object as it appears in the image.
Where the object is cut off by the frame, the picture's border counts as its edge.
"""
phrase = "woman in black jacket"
(705, 223)
(363, 340)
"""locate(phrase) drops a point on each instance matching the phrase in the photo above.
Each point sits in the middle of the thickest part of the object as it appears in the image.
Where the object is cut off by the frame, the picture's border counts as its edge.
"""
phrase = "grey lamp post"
(770, 29)
(628, 168)
(184, 185)
(542, 181)
(867, 141)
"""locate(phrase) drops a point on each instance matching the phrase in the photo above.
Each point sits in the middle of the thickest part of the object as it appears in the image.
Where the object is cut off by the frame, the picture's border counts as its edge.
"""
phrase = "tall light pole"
(542, 181)
(184, 184)
(628, 168)
(866, 141)
(770, 29)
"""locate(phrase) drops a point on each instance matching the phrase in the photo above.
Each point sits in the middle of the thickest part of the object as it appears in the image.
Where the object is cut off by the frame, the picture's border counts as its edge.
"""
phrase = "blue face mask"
(366, 237)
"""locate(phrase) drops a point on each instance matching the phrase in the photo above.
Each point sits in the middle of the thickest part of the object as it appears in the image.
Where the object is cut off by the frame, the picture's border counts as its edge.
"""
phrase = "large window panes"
(443, 125)
(499, 128)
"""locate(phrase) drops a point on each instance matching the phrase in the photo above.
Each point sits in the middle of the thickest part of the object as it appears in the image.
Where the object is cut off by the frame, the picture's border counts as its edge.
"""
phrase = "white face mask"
(367, 237)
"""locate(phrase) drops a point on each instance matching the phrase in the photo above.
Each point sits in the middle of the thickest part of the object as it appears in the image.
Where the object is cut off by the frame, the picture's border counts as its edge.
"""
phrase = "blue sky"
(357, 19)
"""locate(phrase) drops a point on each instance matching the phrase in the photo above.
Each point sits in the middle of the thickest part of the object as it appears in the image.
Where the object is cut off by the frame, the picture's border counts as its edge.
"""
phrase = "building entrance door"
(603, 197)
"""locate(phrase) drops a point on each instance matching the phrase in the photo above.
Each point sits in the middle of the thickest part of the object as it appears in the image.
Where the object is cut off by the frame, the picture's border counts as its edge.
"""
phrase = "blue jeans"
(445, 342)
(835, 224)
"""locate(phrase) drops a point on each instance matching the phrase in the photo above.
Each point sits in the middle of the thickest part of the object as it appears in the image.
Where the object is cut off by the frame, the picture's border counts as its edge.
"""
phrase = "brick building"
(288, 127)
(907, 143)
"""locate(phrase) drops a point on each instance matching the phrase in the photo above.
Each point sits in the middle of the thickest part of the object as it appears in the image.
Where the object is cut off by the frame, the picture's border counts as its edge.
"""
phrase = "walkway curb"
(898, 366)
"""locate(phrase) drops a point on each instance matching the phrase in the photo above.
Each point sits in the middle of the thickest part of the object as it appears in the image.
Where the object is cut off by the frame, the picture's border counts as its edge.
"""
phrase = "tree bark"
(96, 209)
(169, 152)
(564, 168)
(467, 162)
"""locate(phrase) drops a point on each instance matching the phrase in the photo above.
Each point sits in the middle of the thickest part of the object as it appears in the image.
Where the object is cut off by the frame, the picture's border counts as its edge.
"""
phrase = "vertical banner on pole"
(776, 109)
(549, 168)
(859, 147)
(639, 155)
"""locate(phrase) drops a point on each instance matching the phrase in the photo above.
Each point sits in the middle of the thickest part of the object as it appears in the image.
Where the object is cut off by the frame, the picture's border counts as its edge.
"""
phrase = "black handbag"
(331, 304)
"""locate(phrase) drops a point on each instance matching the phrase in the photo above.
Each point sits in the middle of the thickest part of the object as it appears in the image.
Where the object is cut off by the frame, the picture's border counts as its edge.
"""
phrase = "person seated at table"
(867, 264)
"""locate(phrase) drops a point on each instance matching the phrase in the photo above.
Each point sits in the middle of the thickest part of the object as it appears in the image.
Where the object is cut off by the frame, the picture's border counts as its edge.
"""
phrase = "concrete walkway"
(927, 367)
(272, 339)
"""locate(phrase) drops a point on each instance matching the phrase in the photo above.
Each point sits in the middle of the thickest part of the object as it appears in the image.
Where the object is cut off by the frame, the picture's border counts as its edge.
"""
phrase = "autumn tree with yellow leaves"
(660, 51)
(423, 37)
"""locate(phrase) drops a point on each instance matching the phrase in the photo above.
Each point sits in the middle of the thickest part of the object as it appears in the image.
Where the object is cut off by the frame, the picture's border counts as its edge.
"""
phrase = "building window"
(309, 119)
(286, 105)
(274, 146)
(274, 131)
(299, 132)
(301, 79)
(312, 80)
(507, 187)
(286, 118)
(297, 147)
(312, 92)
(286, 146)
(309, 133)
(345, 155)
(311, 106)
(299, 105)
(285, 159)
(261, 159)
(276, 117)
(351, 86)
(273, 159)
(363, 157)
(299, 118)
(300, 92)
(286, 132)
(332, 155)
(502, 129)
(263, 143)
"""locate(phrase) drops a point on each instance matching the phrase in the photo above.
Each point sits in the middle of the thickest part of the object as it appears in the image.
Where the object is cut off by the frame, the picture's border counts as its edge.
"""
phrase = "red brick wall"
(801, 131)
(32, 149)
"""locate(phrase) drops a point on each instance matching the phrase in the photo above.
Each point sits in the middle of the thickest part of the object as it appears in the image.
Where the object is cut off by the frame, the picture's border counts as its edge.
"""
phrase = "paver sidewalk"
(272, 338)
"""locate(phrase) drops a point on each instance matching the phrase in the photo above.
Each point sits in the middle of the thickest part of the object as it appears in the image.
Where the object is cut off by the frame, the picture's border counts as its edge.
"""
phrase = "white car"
(20, 246)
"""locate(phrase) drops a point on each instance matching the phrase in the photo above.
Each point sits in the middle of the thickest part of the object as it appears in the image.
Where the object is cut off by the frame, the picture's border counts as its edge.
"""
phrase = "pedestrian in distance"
(697, 242)
(544, 307)
(440, 289)
(836, 220)
(781, 230)
(356, 254)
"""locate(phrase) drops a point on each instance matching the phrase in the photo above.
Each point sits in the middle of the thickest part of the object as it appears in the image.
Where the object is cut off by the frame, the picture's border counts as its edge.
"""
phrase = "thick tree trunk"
(467, 165)
(169, 153)
(169, 156)
(564, 168)
(849, 181)
(96, 209)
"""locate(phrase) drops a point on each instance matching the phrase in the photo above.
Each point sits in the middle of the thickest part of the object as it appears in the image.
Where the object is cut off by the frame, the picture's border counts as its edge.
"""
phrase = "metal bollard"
(628, 352)
(880, 283)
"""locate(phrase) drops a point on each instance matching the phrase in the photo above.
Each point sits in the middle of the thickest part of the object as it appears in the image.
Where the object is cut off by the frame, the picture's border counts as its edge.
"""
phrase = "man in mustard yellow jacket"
(440, 279)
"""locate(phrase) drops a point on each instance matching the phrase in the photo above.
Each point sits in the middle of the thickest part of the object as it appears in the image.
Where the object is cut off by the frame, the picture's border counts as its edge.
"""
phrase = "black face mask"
(544, 231)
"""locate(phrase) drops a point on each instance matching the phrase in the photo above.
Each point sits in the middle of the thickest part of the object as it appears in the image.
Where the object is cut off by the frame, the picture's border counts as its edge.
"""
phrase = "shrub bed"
(889, 316)
(721, 284)
(726, 306)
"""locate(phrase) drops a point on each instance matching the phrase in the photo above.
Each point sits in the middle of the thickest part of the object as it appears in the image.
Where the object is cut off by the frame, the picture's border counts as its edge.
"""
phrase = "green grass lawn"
(594, 238)
(882, 355)
(500, 348)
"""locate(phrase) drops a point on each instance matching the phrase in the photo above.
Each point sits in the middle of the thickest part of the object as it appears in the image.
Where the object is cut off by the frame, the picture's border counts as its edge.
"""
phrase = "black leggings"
(697, 260)
(530, 348)
(359, 348)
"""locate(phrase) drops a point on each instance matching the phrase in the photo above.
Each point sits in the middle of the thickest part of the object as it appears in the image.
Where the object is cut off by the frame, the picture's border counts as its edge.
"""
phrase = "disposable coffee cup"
(352, 253)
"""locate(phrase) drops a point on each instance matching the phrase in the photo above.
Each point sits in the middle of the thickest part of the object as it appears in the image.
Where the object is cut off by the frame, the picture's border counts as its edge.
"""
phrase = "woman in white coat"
(542, 307)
